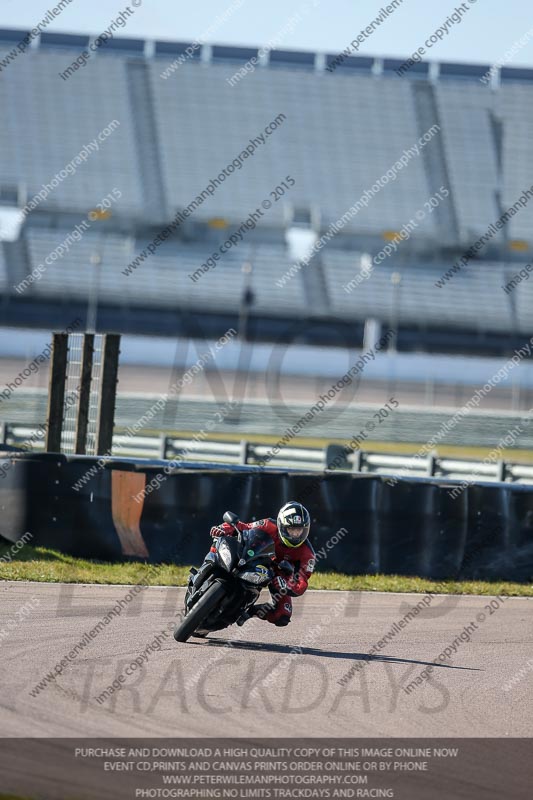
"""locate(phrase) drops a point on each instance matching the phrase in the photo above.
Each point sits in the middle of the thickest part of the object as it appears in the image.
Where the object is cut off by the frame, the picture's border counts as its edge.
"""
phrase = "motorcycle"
(229, 582)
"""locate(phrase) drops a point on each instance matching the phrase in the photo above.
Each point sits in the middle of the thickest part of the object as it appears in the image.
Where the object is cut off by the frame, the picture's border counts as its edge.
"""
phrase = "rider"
(289, 533)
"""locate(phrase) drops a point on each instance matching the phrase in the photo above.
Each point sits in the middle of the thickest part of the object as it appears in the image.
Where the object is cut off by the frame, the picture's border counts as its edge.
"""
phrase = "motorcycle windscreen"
(257, 544)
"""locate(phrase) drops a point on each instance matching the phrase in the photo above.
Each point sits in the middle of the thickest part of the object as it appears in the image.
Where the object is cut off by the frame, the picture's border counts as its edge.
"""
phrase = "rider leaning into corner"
(294, 563)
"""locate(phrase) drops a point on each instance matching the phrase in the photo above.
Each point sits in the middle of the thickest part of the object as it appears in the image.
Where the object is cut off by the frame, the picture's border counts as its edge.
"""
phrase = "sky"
(486, 32)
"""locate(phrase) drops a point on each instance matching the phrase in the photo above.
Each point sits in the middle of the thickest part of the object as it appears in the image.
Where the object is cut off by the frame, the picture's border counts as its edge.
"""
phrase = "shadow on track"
(316, 651)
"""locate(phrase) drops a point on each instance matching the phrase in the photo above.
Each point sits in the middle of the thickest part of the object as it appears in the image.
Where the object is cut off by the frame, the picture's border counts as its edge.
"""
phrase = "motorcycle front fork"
(198, 576)
(203, 571)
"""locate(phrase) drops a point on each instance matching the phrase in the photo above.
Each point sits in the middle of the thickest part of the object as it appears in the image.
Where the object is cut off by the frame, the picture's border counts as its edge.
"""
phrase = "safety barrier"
(145, 509)
(248, 452)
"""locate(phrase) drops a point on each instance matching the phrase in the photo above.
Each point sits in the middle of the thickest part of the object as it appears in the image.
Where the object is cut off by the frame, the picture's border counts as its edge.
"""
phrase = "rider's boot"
(260, 610)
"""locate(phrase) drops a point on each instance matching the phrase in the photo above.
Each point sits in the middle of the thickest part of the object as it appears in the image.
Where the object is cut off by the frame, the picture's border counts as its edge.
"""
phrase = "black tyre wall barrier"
(412, 527)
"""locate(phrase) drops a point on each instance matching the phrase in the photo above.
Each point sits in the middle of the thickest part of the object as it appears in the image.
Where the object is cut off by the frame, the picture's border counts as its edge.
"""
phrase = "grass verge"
(12, 797)
(50, 566)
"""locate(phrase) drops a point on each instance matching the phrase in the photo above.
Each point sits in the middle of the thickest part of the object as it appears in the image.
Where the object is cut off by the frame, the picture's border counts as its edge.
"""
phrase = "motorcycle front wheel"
(200, 611)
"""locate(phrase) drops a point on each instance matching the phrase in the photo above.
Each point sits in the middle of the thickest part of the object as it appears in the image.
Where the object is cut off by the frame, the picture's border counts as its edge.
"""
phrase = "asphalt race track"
(263, 685)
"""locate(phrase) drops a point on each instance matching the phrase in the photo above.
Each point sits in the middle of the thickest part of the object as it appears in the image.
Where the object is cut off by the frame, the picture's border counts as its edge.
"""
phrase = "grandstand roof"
(295, 58)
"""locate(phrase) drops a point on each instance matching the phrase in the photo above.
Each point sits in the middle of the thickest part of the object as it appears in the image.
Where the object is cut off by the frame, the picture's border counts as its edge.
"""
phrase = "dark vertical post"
(244, 452)
(56, 392)
(163, 446)
(82, 419)
(105, 420)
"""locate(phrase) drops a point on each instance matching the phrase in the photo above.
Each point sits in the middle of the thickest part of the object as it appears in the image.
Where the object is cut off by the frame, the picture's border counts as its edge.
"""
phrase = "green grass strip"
(49, 566)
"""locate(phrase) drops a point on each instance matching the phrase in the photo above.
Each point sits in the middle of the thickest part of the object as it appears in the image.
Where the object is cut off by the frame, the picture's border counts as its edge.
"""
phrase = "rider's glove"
(297, 585)
(216, 530)
(286, 568)
(279, 586)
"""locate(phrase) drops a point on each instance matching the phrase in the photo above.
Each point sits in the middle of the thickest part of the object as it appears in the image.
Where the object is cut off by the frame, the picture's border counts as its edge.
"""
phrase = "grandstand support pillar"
(247, 302)
(56, 392)
(105, 420)
(396, 280)
(82, 419)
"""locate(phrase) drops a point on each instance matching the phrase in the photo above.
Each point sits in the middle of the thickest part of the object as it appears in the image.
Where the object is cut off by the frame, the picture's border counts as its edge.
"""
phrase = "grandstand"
(162, 134)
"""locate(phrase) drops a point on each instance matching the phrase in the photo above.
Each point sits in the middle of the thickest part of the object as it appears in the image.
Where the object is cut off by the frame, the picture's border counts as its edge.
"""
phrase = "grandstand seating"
(341, 132)
(163, 280)
(516, 108)
(204, 123)
(473, 299)
(522, 299)
(469, 145)
(50, 121)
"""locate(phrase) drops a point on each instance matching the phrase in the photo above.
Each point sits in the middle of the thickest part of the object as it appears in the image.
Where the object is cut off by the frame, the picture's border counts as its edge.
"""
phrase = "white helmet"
(294, 522)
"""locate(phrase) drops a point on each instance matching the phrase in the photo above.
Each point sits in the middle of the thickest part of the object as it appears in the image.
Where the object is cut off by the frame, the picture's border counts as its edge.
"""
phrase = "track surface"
(205, 688)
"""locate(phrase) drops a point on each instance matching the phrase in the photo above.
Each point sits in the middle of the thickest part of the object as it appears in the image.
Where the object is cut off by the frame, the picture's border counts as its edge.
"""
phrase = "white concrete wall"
(295, 359)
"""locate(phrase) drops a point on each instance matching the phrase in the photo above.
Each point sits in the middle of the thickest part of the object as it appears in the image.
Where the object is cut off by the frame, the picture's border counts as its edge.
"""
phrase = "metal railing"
(247, 452)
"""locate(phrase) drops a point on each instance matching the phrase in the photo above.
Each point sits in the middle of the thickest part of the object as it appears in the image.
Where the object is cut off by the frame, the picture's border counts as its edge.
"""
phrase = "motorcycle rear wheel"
(200, 611)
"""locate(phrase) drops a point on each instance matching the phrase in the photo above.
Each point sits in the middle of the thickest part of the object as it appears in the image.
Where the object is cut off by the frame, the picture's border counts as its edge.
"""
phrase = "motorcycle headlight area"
(225, 554)
(255, 577)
